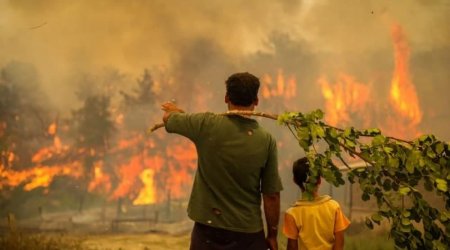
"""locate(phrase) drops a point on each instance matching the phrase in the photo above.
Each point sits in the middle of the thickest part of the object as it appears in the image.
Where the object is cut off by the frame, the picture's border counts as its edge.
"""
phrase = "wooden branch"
(270, 116)
(155, 127)
(251, 113)
(230, 112)
(356, 153)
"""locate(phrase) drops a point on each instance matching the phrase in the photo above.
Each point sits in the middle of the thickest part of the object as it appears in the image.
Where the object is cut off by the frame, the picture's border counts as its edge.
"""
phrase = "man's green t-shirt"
(237, 161)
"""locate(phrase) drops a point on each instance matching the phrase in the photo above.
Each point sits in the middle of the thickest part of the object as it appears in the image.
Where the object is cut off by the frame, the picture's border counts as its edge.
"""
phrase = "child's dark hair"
(300, 169)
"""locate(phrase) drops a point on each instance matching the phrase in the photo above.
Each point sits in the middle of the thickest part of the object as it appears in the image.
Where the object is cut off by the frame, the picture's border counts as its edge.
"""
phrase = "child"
(315, 224)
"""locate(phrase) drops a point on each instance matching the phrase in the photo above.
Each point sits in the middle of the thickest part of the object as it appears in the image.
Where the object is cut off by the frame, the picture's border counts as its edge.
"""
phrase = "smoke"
(62, 37)
(204, 41)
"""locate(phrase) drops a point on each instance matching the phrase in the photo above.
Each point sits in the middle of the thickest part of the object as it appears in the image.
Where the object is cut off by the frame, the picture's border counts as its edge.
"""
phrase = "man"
(237, 162)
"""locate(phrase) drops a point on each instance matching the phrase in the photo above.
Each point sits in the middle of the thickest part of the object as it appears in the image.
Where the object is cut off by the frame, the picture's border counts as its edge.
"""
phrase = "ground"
(357, 237)
(137, 242)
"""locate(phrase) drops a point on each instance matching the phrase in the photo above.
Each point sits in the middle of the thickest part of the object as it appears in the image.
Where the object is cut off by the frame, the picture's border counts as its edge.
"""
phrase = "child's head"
(300, 169)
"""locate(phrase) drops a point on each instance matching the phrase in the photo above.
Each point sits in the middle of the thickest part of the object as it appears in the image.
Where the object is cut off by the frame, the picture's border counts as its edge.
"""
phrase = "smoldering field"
(81, 81)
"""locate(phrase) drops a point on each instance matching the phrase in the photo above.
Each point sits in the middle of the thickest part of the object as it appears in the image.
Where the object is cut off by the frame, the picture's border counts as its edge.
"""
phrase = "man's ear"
(227, 99)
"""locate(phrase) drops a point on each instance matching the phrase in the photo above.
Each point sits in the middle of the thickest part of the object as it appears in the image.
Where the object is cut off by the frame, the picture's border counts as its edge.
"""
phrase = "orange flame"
(348, 100)
(101, 180)
(129, 173)
(40, 176)
(403, 96)
(147, 194)
(52, 129)
(344, 98)
(180, 179)
(283, 87)
(145, 169)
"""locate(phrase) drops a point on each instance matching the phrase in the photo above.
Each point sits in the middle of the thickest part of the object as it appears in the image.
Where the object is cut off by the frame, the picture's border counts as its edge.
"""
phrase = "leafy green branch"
(393, 174)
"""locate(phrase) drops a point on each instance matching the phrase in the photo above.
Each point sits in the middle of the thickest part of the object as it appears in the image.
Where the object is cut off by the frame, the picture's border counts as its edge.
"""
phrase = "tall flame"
(403, 96)
(348, 101)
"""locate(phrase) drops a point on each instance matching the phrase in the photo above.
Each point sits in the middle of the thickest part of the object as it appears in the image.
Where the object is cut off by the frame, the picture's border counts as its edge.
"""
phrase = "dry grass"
(152, 241)
(137, 242)
(40, 241)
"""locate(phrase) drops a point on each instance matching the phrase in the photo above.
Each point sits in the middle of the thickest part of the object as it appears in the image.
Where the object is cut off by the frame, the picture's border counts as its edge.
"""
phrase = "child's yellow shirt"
(313, 223)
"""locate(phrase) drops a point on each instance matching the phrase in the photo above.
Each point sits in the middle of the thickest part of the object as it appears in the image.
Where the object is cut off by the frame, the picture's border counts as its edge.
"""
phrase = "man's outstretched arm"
(272, 213)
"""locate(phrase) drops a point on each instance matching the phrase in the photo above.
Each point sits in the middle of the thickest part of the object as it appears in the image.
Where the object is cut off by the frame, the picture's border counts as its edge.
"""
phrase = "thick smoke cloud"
(206, 40)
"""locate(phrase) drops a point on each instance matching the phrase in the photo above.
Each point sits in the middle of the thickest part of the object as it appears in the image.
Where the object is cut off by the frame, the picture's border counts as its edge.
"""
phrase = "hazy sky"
(211, 38)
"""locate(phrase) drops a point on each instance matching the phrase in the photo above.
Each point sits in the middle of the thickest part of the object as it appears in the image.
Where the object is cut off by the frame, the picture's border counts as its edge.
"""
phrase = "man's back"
(236, 161)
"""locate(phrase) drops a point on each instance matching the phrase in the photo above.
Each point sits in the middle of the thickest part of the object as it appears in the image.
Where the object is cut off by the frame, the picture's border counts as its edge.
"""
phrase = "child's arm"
(292, 244)
(338, 240)
(341, 224)
(290, 230)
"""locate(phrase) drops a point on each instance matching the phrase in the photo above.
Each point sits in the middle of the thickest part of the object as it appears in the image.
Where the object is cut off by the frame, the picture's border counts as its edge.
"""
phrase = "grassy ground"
(366, 240)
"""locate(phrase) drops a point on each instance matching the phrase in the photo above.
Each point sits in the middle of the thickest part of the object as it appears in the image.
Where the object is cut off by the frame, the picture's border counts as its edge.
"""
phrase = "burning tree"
(22, 117)
(94, 128)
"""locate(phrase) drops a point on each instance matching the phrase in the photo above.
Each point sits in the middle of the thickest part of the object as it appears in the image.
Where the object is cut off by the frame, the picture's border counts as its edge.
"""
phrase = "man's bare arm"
(272, 212)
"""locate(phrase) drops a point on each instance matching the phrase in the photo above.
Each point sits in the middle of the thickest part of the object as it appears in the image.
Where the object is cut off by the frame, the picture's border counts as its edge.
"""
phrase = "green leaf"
(404, 190)
(371, 132)
(439, 245)
(405, 229)
(333, 133)
(439, 148)
(388, 149)
(304, 144)
(425, 138)
(444, 216)
(387, 185)
(406, 221)
(317, 131)
(365, 196)
(406, 214)
(431, 153)
(318, 114)
(393, 162)
(349, 143)
(303, 133)
(378, 140)
(286, 117)
(412, 160)
(376, 217)
(441, 185)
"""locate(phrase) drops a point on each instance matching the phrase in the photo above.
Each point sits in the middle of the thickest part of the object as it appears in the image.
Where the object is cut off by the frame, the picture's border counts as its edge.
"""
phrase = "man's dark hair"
(300, 169)
(242, 88)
